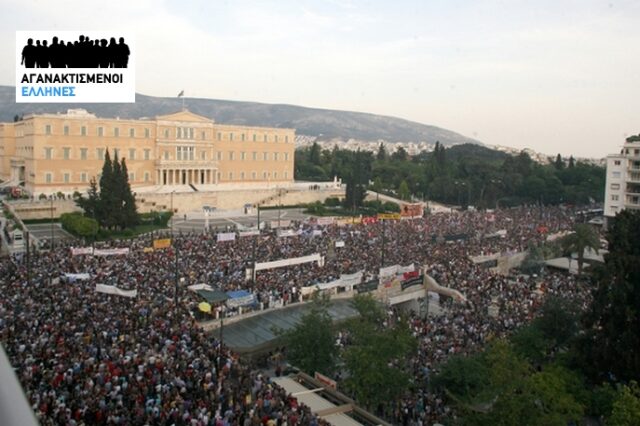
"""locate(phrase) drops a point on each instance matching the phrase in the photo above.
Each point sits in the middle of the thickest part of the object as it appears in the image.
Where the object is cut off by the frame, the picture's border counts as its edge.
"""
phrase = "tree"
(129, 209)
(609, 347)
(626, 406)
(311, 343)
(572, 162)
(403, 191)
(559, 163)
(583, 237)
(91, 204)
(400, 154)
(375, 359)
(107, 203)
(382, 153)
(314, 154)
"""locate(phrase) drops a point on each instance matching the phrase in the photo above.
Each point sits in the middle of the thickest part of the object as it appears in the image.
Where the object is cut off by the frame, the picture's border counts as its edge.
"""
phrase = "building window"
(231, 155)
(286, 156)
(83, 153)
(219, 136)
(146, 133)
(132, 153)
(48, 153)
(264, 175)
(275, 138)
(203, 155)
(243, 155)
(265, 156)
(204, 135)
(616, 175)
(166, 133)
(615, 186)
(48, 177)
(100, 153)
(275, 175)
(132, 177)
(615, 197)
(241, 175)
(66, 153)
(253, 175)
(83, 177)
(47, 129)
(83, 131)
(166, 155)
(636, 152)
(266, 138)
(66, 178)
(242, 137)
(101, 131)
(219, 155)
(286, 175)
(132, 133)
(275, 156)
(254, 155)
(230, 175)
(146, 176)
(116, 132)
(147, 153)
(255, 137)
(66, 130)
(616, 162)
(286, 139)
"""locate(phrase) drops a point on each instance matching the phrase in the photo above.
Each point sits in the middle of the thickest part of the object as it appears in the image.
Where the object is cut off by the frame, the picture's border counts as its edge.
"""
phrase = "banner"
(368, 286)
(288, 233)
(147, 250)
(324, 220)
(77, 251)
(409, 275)
(162, 243)
(316, 233)
(226, 236)
(248, 233)
(280, 224)
(239, 298)
(369, 220)
(329, 285)
(339, 243)
(111, 252)
(412, 282)
(350, 280)
(389, 216)
(288, 262)
(77, 277)
(412, 210)
(388, 271)
(111, 289)
(403, 269)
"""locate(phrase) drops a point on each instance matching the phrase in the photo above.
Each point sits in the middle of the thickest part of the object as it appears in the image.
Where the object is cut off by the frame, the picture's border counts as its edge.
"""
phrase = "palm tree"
(582, 237)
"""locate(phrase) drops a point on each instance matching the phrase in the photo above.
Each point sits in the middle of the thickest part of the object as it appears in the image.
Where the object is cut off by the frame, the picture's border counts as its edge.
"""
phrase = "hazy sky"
(555, 76)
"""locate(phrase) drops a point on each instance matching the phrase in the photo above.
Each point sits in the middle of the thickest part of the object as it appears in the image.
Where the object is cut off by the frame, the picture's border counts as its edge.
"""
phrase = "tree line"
(465, 175)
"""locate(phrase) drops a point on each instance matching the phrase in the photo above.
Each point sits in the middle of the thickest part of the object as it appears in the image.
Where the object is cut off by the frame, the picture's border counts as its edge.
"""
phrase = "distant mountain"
(323, 124)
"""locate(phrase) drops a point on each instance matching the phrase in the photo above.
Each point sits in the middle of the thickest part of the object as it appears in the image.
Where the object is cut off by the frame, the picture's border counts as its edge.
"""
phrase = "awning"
(213, 296)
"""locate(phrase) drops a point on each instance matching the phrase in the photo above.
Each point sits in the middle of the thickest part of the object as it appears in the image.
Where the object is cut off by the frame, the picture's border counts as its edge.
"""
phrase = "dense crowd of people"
(90, 358)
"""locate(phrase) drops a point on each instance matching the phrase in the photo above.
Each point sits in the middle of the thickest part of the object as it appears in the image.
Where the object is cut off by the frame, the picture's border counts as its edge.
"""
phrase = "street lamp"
(52, 237)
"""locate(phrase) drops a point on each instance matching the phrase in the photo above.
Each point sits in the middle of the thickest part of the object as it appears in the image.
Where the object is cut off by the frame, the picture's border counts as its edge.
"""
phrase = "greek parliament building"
(622, 190)
(62, 152)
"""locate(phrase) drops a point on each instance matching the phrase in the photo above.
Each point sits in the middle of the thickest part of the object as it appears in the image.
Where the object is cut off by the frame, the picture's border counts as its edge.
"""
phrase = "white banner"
(288, 262)
(324, 220)
(389, 271)
(339, 243)
(111, 289)
(77, 251)
(77, 277)
(308, 290)
(403, 269)
(317, 232)
(329, 285)
(280, 224)
(288, 233)
(226, 236)
(196, 287)
(248, 233)
(111, 252)
(351, 280)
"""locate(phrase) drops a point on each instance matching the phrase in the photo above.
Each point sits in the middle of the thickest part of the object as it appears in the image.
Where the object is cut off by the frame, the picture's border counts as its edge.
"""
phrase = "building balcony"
(633, 177)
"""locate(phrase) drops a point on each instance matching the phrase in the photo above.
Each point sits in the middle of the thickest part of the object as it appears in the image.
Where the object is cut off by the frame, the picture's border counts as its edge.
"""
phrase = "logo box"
(75, 66)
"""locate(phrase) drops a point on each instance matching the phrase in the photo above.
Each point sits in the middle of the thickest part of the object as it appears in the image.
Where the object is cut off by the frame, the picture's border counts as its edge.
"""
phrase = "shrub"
(155, 218)
(332, 202)
(391, 207)
(42, 197)
(79, 225)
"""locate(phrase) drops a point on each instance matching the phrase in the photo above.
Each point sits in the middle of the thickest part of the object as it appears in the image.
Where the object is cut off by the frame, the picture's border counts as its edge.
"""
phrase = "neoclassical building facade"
(63, 152)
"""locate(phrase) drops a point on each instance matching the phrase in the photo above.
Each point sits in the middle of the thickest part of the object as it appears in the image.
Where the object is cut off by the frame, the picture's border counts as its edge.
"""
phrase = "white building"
(622, 190)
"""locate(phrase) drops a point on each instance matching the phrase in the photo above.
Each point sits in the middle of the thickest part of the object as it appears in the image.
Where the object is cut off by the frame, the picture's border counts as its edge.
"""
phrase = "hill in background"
(323, 124)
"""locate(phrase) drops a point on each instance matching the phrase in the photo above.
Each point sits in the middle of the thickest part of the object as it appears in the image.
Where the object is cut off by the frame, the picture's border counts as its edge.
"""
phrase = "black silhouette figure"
(29, 55)
(83, 53)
